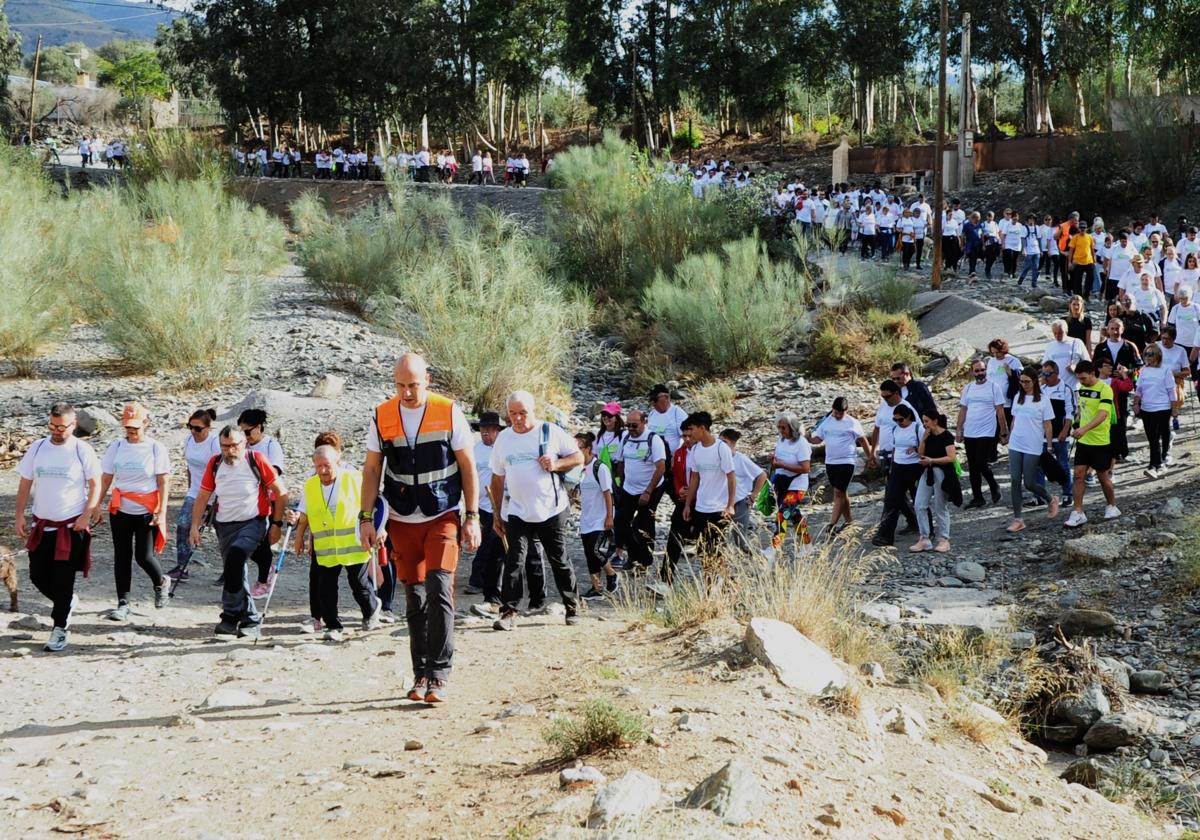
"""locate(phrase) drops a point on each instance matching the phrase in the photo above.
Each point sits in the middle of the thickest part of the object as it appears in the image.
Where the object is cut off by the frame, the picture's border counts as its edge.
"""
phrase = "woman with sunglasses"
(1032, 433)
(200, 447)
(936, 457)
(902, 478)
(608, 436)
(137, 469)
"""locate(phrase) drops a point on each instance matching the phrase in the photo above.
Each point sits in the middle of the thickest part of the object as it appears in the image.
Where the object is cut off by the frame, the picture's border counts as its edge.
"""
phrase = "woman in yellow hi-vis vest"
(329, 506)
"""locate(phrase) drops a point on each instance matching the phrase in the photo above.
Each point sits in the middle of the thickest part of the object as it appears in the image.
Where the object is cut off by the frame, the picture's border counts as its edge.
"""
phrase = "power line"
(84, 23)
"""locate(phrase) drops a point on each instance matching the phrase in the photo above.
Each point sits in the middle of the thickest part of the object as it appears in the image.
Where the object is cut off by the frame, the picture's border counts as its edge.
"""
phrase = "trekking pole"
(287, 537)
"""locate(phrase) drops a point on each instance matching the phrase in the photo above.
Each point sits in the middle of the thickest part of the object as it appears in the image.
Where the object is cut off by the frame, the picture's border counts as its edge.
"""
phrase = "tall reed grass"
(730, 309)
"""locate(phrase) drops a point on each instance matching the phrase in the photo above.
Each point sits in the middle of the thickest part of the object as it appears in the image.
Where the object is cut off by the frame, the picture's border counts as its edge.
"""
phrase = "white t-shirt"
(1186, 319)
(135, 468)
(410, 418)
(60, 475)
(905, 439)
(592, 509)
(841, 438)
(1174, 358)
(745, 473)
(610, 441)
(666, 423)
(1064, 354)
(981, 399)
(238, 489)
(270, 449)
(483, 468)
(534, 495)
(998, 371)
(1121, 262)
(794, 452)
(476, 163)
(1155, 388)
(640, 457)
(1012, 233)
(1027, 434)
(713, 464)
(885, 424)
(197, 456)
(1151, 301)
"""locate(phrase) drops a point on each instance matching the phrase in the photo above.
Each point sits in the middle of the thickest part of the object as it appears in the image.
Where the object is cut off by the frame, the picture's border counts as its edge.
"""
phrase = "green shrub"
(862, 286)
(35, 261)
(598, 726)
(688, 137)
(353, 261)
(617, 224)
(729, 310)
(178, 153)
(849, 342)
(179, 282)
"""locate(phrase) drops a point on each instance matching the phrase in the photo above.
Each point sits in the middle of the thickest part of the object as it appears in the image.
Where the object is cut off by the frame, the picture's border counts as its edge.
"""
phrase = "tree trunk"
(503, 115)
(424, 131)
(1129, 73)
(1080, 103)
(491, 110)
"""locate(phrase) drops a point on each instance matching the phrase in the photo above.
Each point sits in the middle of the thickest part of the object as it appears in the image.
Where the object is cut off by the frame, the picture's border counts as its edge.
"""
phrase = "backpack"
(263, 488)
(544, 449)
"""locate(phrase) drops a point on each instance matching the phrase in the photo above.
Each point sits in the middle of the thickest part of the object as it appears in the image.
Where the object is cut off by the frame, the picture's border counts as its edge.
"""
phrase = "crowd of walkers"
(338, 163)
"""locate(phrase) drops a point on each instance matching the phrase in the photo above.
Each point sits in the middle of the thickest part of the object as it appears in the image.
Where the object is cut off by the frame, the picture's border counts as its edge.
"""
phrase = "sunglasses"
(197, 429)
(56, 427)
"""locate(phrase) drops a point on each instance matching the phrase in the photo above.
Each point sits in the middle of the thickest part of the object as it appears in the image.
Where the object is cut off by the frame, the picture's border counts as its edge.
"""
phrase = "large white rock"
(733, 793)
(628, 797)
(796, 661)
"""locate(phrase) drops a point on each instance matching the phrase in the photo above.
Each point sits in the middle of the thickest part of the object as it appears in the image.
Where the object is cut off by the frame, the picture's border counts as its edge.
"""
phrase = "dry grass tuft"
(982, 730)
(714, 396)
(845, 701)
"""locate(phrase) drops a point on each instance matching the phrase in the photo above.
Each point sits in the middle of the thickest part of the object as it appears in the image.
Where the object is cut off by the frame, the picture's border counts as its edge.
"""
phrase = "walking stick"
(287, 538)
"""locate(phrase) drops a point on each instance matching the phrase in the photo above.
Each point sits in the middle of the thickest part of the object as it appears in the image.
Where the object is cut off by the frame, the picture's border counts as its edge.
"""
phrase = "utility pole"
(966, 137)
(939, 194)
(37, 61)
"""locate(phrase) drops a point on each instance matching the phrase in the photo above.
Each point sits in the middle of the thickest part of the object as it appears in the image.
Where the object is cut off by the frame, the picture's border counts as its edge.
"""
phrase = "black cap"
(658, 390)
(488, 418)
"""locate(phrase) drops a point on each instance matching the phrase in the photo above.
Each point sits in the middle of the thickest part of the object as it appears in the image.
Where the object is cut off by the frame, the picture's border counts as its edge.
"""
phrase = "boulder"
(1095, 549)
(628, 797)
(1150, 682)
(328, 387)
(1050, 304)
(1082, 711)
(1112, 731)
(1118, 670)
(1081, 622)
(90, 419)
(1084, 771)
(969, 571)
(733, 793)
(906, 721)
(796, 661)
(579, 776)
(1173, 508)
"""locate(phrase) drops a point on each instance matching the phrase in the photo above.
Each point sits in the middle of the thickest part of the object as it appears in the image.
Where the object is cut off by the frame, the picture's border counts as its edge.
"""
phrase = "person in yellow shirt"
(329, 506)
(1081, 259)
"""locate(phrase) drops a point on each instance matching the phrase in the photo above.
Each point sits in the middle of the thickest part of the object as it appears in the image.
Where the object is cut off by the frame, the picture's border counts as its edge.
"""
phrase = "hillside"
(92, 22)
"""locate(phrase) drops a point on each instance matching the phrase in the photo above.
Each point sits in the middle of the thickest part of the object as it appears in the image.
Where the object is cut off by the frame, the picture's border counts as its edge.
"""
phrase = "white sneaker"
(1111, 511)
(387, 617)
(334, 636)
(373, 622)
(1153, 472)
(1168, 461)
(311, 625)
(1091, 480)
(1076, 519)
(485, 610)
(57, 640)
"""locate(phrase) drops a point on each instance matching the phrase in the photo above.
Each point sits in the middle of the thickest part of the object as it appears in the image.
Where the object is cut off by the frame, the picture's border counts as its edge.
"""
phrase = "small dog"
(8, 574)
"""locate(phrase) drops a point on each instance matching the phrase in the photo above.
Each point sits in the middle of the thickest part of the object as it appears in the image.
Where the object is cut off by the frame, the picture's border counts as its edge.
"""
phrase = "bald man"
(421, 446)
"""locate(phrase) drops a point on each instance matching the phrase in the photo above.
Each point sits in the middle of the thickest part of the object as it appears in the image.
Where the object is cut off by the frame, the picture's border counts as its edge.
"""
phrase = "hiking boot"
(259, 590)
(311, 625)
(880, 542)
(335, 635)
(920, 545)
(226, 628)
(372, 622)
(593, 594)
(162, 595)
(57, 640)
(436, 692)
(178, 573)
(249, 631)
(976, 503)
(506, 621)
(119, 613)
(572, 619)
(485, 610)
(418, 690)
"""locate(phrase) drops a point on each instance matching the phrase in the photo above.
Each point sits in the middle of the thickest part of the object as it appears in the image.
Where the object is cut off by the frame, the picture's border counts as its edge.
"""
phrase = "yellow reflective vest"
(333, 520)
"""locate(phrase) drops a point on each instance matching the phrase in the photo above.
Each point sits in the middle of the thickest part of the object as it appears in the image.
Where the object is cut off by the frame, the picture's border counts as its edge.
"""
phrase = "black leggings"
(1157, 425)
(262, 557)
(133, 539)
(906, 253)
(594, 561)
(990, 252)
(897, 499)
(979, 453)
(1010, 261)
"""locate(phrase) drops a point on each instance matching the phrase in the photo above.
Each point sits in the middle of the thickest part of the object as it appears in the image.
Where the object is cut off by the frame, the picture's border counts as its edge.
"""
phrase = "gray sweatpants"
(933, 497)
(238, 541)
(1023, 467)
(743, 528)
(431, 624)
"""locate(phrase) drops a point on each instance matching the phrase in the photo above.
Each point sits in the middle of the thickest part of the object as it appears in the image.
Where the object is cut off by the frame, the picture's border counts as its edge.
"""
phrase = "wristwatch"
(471, 514)
(278, 523)
(365, 516)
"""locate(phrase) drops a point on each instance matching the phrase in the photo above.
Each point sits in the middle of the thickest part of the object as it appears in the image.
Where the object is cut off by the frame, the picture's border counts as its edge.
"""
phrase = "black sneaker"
(593, 593)
(880, 542)
(535, 607)
(220, 581)
(995, 497)
(506, 621)
(977, 502)
(572, 619)
(178, 573)
(226, 628)
(612, 584)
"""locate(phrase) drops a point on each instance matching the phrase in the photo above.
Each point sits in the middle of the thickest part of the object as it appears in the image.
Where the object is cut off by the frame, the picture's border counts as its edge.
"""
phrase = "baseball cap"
(659, 389)
(612, 408)
(134, 415)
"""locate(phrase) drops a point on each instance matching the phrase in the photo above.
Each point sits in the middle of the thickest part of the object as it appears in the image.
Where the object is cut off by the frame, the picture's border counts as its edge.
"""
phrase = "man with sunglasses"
(63, 475)
(253, 423)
